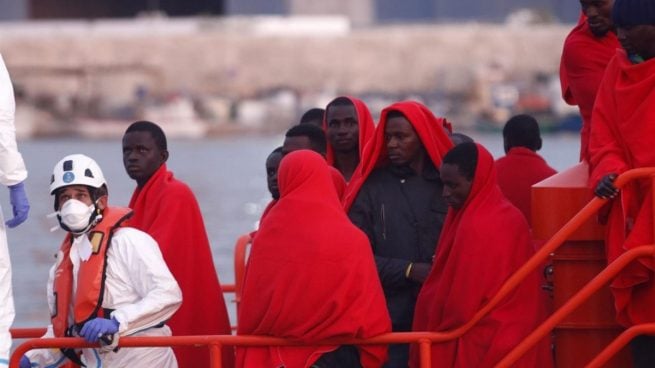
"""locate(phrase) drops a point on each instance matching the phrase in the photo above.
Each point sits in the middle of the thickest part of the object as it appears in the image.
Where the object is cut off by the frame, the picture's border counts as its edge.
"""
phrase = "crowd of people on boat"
(404, 225)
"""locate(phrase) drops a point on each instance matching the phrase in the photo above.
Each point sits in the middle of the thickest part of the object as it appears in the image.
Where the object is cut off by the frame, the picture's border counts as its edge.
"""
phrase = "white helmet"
(76, 169)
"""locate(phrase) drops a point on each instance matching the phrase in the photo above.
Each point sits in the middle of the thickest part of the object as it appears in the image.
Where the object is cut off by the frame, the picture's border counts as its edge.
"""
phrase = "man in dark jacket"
(398, 204)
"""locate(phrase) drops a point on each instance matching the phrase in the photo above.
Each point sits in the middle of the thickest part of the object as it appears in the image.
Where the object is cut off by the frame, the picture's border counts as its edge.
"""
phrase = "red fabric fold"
(518, 171)
(583, 63)
(366, 127)
(481, 245)
(338, 181)
(429, 129)
(563, 75)
(311, 274)
(166, 209)
(622, 138)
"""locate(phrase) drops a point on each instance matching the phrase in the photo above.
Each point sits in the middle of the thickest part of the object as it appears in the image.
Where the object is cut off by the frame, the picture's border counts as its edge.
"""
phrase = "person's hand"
(96, 328)
(109, 343)
(19, 205)
(419, 271)
(24, 362)
(605, 188)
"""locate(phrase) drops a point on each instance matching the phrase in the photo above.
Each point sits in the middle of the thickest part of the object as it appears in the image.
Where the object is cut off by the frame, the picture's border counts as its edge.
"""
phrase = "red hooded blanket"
(622, 138)
(311, 274)
(166, 209)
(582, 67)
(366, 127)
(518, 171)
(429, 128)
(481, 245)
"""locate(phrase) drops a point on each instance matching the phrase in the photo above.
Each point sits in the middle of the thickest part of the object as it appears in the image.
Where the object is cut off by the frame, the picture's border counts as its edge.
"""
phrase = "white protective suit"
(142, 292)
(12, 171)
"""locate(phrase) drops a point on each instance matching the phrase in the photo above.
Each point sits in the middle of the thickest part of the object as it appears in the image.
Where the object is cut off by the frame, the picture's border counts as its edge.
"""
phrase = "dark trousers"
(398, 356)
(346, 356)
(643, 351)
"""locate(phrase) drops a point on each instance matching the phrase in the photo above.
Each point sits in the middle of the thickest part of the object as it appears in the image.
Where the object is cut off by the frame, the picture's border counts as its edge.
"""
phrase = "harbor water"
(227, 175)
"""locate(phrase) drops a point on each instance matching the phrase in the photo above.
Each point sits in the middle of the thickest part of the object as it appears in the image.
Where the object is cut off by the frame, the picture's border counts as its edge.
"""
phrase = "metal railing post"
(215, 355)
(425, 351)
(240, 251)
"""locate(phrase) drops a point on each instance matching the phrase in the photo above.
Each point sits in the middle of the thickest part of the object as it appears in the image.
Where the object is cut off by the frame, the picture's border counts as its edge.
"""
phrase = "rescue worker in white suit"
(12, 174)
(109, 280)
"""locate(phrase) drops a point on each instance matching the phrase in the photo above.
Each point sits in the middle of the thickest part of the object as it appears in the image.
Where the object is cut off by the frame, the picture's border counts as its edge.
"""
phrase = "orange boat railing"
(216, 342)
(620, 342)
(424, 339)
(240, 252)
(580, 297)
(32, 332)
(27, 333)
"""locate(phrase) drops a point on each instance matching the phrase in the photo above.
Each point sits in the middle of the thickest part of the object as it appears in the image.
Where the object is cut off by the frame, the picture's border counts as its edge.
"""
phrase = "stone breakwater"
(113, 63)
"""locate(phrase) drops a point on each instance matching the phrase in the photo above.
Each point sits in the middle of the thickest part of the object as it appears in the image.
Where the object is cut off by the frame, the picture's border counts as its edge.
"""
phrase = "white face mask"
(76, 215)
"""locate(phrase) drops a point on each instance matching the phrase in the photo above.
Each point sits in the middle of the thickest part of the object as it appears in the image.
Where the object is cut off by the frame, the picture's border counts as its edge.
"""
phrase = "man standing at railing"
(396, 201)
(167, 209)
(622, 138)
(108, 281)
(587, 51)
(474, 258)
(12, 174)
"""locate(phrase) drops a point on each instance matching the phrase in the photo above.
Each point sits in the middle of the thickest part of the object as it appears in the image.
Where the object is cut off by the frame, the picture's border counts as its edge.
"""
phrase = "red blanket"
(339, 185)
(310, 275)
(481, 245)
(366, 127)
(338, 181)
(429, 128)
(622, 138)
(166, 209)
(582, 67)
(517, 172)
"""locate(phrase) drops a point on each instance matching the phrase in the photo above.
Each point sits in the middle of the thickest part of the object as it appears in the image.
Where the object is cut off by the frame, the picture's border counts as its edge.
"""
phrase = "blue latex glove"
(24, 362)
(19, 204)
(96, 328)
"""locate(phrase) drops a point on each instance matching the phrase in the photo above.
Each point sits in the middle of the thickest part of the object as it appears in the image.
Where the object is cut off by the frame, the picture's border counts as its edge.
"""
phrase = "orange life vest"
(91, 274)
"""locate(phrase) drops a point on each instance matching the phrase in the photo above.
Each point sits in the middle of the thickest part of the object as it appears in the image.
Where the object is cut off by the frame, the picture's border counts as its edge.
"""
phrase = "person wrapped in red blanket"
(484, 240)
(622, 138)
(310, 276)
(165, 208)
(586, 53)
(522, 166)
(395, 198)
(348, 126)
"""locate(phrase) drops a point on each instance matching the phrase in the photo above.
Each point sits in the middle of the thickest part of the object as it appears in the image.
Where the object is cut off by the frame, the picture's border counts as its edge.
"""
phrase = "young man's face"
(272, 165)
(638, 40)
(599, 15)
(404, 146)
(343, 128)
(456, 187)
(141, 156)
(79, 192)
